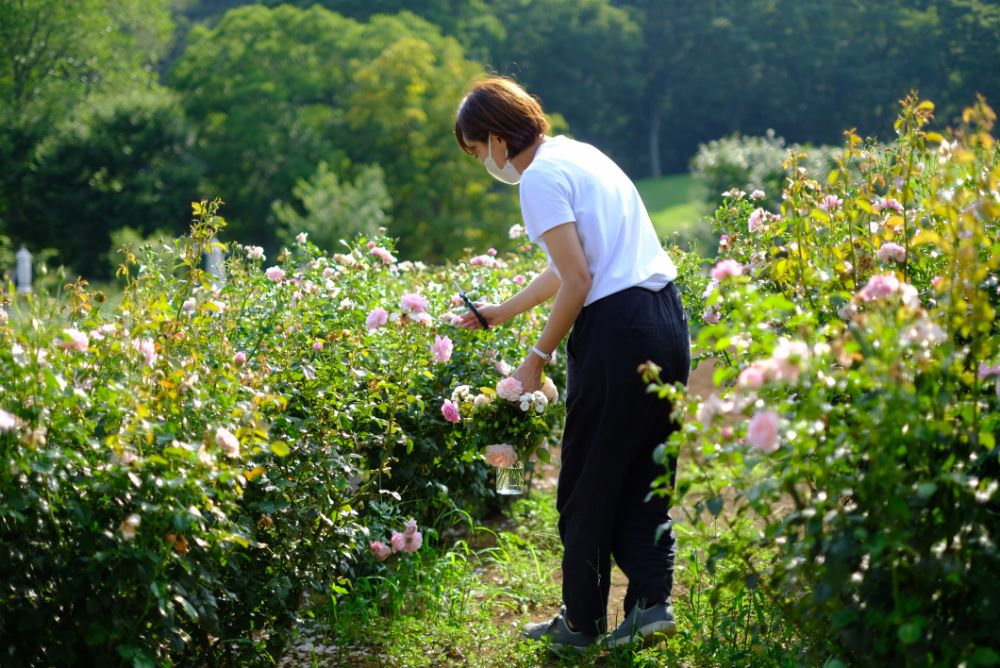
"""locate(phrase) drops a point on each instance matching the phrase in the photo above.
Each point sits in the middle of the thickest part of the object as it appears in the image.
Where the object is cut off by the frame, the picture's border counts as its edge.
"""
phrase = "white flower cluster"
(536, 401)
(461, 394)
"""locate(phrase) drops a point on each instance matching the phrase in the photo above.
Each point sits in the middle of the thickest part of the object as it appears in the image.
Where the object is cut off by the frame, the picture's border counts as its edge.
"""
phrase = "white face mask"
(508, 174)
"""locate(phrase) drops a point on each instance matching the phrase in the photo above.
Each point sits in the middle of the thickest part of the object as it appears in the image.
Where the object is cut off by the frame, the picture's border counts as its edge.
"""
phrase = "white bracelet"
(545, 356)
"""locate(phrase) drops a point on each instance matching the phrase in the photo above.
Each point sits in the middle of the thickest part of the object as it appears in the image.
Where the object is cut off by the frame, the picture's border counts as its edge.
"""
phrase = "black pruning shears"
(471, 306)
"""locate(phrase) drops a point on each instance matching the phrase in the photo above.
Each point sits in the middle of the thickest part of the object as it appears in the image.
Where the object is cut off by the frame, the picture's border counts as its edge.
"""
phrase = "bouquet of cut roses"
(508, 422)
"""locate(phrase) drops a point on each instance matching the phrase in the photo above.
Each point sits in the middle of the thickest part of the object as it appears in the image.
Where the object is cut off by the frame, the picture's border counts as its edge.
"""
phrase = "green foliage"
(845, 476)
(335, 210)
(180, 471)
(311, 86)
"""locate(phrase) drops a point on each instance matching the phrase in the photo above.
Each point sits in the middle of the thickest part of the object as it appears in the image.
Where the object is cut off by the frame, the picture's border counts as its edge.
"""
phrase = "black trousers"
(612, 428)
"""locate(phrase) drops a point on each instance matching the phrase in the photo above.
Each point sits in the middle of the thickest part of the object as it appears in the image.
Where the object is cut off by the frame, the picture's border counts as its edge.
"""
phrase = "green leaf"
(987, 440)
(984, 656)
(909, 633)
(280, 448)
(715, 505)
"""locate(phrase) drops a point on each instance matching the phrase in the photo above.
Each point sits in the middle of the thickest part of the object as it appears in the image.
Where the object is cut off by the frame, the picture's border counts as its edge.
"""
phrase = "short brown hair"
(501, 107)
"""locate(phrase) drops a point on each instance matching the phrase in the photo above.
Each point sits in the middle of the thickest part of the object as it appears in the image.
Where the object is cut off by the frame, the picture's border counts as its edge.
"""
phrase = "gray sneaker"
(560, 636)
(642, 624)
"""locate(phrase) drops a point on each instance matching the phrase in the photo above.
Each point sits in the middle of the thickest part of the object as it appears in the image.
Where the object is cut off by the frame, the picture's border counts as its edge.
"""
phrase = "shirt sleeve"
(545, 202)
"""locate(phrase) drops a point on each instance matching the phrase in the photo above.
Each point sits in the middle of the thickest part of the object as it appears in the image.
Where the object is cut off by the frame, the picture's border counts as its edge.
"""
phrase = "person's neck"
(524, 158)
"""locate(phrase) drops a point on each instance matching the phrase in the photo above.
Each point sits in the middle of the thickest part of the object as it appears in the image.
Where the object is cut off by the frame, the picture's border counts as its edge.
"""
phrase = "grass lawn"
(671, 203)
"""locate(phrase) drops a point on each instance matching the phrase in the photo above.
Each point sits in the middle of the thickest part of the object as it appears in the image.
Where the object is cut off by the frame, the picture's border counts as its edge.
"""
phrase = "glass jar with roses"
(510, 424)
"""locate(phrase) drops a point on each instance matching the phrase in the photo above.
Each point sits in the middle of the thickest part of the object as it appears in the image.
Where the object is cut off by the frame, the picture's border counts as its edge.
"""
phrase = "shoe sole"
(645, 635)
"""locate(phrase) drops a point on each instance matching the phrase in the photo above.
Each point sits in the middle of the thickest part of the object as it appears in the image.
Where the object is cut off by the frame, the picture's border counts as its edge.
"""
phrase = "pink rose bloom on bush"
(502, 368)
(830, 203)
(377, 318)
(441, 348)
(148, 349)
(756, 220)
(413, 303)
(226, 440)
(240, 358)
(74, 340)
(383, 254)
(413, 541)
(753, 377)
(891, 251)
(510, 388)
(501, 455)
(274, 273)
(711, 316)
(986, 371)
(762, 432)
(882, 203)
(129, 526)
(380, 549)
(409, 527)
(188, 305)
(398, 541)
(879, 286)
(788, 358)
(317, 346)
(550, 390)
(726, 269)
(519, 279)
(449, 409)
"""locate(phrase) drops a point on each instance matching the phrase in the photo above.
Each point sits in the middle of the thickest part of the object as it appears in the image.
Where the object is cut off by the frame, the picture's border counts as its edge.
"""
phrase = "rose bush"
(180, 470)
(846, 471)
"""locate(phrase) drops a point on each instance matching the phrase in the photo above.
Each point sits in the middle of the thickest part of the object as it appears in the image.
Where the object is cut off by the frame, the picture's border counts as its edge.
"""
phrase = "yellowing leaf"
(255, 472)
(894, 222)
(925, 237)
(934, 137)
(280, 448)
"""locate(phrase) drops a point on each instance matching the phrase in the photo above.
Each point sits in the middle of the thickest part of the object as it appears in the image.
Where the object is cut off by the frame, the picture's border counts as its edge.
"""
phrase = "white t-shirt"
(570, 181)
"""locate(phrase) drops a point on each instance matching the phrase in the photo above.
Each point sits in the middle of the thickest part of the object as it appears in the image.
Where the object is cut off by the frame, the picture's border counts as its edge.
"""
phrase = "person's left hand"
(530, 373)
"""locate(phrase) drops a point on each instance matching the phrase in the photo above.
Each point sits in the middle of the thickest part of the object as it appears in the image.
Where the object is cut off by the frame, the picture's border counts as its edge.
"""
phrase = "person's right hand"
(492, 313)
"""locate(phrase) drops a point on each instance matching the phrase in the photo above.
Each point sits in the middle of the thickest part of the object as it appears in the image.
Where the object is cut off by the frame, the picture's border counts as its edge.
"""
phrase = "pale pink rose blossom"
(891, 251)
(752, 377)
(515, 232)
(481, 400)
(274, 273)
(510, 388)
(484, 261)
(129, 526)
(880, 204)
(879, 286)
(519, 279)
(329, 271)
(148, 349)
(757, 194)
(724, 243)
(441, 349)
(936, 280)
(550, 390)
(380, 549)
(226, 440)
(240, 358)
(711, 316)
(762, 432)
(188, 305)
(987, 371)
(377, 318)
(383, 254)
(7, 421)
(501, 455)
(456, 300)
(449, 409)
(830, 203)
(413, 303)
(492, 252)
(757, 220)
(371, 244)
(727, 269)
(409, 527)
(255, 253)
(301, 237)
(788, 359)
(74, 340)
(412, 542)
(398, 541)
(317, 346)
(502, 368)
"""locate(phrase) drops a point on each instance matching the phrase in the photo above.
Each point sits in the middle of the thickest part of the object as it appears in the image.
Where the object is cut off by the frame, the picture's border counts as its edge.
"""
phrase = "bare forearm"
(540, 290)
(569, 301)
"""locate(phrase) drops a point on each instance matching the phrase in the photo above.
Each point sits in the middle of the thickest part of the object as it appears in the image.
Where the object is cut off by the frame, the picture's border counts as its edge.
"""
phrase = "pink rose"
(519, 279)
(550, 390)
(757, 219)
(936, 280)
(412, 542)
(148, 349)
(74, 339)
(456, 300)
(7, 421)
(240, 358)
(757, 194)
(891, 251)
(381, 550)
(986, 371)
(398, 541)
(274, 273)
(410, 527)
(317, 346)
(502, 368)
(226, 440)
(188, 305)
(830, 203)
(377, 318)
(880, 204)
(383, 255)
(711, 316)
(752, 377)
(788, 359)
(879, 286)
(449, 409)
(413, 303)
(510, 388)
(441, 348)
(762, 432)
(726, 269)
(501, 455)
